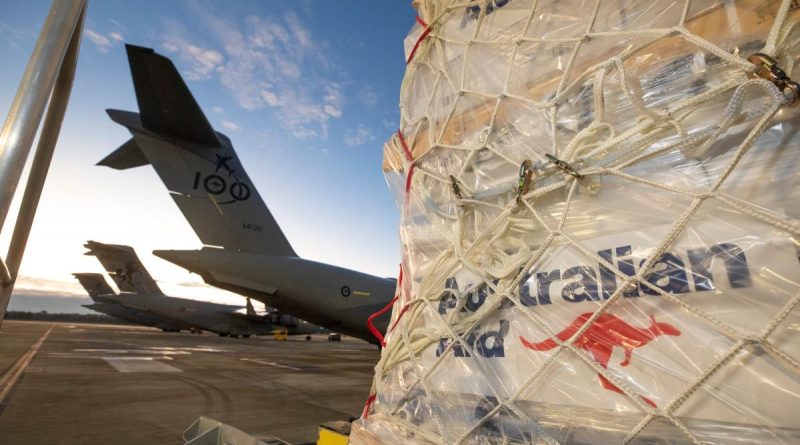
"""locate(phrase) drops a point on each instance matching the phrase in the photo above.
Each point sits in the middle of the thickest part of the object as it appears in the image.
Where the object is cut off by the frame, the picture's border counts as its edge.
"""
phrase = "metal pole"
(34, 90)
(44, 151)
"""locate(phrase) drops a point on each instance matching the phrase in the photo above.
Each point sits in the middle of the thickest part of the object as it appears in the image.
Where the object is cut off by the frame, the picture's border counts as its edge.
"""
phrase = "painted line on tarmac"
(277, 365)
(10, 378)
(140, 364)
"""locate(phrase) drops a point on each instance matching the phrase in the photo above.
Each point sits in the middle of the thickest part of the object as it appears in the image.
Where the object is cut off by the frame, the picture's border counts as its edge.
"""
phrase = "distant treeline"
(72, 318)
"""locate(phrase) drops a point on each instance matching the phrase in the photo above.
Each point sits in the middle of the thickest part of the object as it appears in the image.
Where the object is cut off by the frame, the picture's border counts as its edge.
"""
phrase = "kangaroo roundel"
(601, 337)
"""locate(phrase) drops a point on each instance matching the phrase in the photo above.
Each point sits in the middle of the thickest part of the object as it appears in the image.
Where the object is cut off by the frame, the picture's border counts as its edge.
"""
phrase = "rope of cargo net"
(588, 155)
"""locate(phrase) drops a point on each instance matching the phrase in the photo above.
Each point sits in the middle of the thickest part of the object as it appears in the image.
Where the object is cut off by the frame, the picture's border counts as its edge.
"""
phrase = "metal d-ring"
(455, 187)
(524, 182)
(767, 68)
(564, 166)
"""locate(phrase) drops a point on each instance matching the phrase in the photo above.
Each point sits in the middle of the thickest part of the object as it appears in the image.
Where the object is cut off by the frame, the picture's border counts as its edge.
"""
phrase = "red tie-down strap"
(371, 319)
(368, 405)
(420, 39)
(407, 305)
(375, 331)
(409, 158)
(402, 312)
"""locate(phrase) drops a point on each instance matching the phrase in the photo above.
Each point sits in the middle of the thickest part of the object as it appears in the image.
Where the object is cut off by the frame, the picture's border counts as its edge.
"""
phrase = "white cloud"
(203, 61)
(230, 126)
(218, 109)
(333, 100)
(265, 62)
(369, 97)
(301, 34)
(117, 37)
(270, 98)
(332, 111)
(358, 136)
(207, 58)
(101, 41)
(192, 284)
(38, 285)
(117, 24)
(15, 36)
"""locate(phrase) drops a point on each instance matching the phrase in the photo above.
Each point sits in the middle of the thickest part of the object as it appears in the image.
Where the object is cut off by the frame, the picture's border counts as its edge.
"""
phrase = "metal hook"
(525, 176)
(563, 165)
(767, 68)
(455, 187)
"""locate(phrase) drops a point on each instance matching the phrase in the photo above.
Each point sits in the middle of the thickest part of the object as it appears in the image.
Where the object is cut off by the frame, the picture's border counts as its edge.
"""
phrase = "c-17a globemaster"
(140, 294)
(245, 251)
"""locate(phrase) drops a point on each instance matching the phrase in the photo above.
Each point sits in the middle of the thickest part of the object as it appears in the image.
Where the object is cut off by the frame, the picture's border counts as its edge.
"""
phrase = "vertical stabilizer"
(197, 164)
(250, 309)
(95, 284)
(124, 267)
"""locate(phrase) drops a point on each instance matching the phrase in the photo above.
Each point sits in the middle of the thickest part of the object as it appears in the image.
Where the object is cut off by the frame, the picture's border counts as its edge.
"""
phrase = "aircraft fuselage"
(136, 316)
(330, 296)
(218, 318)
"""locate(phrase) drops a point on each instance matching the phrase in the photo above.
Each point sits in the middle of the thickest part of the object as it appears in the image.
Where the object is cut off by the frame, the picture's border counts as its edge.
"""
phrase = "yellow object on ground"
(334, 433)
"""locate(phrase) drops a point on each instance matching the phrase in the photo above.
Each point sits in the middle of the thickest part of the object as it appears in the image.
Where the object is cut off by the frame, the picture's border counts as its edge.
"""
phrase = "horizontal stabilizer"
(243, 282)
(126, 156)
(198, 261)
(134, 303)
(165, 103)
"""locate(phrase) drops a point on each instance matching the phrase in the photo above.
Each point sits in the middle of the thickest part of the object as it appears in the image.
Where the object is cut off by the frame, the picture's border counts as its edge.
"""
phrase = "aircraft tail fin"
(125, 268)
(197, 164)
(251, 311)
(165, 102)
(95, 284)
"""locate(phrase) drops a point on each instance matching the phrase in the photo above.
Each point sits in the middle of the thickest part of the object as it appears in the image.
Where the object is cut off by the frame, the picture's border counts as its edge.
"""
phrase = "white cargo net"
(586, 179)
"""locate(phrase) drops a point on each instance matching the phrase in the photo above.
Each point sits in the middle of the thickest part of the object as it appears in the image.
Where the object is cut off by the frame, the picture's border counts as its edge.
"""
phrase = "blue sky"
(306, 90)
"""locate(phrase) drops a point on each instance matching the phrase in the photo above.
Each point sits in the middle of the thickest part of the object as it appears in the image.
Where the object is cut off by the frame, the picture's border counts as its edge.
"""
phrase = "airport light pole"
(46, 84)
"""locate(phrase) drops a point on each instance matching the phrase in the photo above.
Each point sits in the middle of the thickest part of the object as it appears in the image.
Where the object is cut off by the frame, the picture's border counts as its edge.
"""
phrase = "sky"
(306, 90)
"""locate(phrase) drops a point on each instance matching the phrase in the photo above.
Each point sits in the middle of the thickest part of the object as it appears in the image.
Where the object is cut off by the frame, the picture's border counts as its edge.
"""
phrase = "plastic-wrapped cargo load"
(600, 205)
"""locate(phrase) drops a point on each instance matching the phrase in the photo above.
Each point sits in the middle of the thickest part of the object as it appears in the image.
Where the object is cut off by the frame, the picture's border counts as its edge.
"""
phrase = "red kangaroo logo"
(602, 336)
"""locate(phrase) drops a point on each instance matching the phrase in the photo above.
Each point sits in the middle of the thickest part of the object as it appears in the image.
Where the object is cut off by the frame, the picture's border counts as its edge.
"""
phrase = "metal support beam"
(49, 75)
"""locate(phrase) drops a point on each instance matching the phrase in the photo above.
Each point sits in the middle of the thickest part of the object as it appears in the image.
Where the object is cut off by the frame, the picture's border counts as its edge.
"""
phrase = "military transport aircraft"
(141, 293)
(98, 290)
(245, 250)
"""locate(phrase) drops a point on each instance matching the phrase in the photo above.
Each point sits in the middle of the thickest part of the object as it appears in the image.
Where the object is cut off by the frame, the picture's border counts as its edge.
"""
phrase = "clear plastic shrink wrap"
(600, 205)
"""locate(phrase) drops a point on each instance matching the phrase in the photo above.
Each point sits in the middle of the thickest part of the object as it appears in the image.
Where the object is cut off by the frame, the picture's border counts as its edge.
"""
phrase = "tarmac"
(101, 384)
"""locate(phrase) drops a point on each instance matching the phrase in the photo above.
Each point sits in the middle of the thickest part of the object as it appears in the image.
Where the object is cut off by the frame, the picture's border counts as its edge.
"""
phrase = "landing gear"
(245, 335)
(308, 338)
(222, 334)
